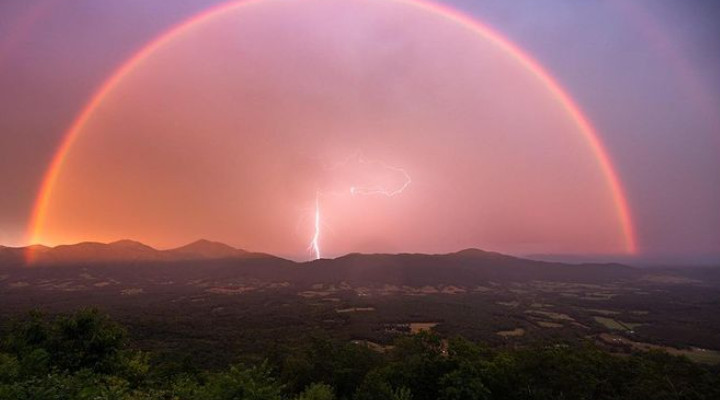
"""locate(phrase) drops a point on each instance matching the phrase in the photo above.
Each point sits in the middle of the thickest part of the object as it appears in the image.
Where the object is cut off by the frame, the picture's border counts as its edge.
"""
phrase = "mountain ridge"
(376, 267)
(120, 251)
(205, 259)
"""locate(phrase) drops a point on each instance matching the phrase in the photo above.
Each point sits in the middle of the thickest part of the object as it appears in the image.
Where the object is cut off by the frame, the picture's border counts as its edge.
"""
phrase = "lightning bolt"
(315, 242)
(370, 191)
(314, 246)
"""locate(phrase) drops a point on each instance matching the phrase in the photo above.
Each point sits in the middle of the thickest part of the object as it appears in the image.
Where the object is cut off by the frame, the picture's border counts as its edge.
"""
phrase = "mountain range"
(207, 258)
(122, 251)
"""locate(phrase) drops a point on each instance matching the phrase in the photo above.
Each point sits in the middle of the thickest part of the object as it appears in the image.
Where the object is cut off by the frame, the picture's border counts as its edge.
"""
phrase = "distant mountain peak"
(205, 242)
(130, 244)
(33, 247)
(470, 251)
(121, 251)
(476, 253)
(36, 248)
(207, 249)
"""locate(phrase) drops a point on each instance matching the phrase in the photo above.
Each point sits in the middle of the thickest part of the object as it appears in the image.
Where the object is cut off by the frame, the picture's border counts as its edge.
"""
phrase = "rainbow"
(522, 58)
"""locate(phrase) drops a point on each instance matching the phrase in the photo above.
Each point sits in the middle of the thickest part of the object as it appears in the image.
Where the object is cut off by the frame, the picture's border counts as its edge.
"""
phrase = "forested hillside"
(86, 355)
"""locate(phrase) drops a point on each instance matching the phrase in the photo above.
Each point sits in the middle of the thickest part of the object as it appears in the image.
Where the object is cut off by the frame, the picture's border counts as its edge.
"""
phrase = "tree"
(238, 383)
(86, 339)
(340, 365)
(418, 362)
(376, 387)
(317, 391)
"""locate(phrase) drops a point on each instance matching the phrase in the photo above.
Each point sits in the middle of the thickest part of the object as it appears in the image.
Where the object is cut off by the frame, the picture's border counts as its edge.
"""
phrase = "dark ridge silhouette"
(90, 252)
(205, 249)
(119, 252)
(463, 267)
(207, 259)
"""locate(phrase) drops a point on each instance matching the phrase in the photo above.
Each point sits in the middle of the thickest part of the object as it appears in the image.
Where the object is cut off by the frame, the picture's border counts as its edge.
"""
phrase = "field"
(216, 315)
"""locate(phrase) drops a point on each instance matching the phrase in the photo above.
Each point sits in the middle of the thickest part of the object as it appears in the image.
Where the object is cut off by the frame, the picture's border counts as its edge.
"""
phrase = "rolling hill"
(213, 260)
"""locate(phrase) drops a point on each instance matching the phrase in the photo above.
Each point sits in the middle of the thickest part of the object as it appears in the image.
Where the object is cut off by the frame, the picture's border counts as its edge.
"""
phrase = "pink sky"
(230, 131)
(495, 163)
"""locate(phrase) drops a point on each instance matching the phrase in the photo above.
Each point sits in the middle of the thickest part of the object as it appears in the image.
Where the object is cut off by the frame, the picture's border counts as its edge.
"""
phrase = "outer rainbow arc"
(532, 66)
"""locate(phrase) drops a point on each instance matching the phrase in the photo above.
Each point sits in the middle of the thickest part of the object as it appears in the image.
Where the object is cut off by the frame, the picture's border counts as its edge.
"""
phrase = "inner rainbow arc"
(496, 39)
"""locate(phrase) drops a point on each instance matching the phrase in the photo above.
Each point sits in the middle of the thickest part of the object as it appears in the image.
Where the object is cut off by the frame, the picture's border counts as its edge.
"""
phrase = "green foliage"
(340, 365)
(237, 383)
(468, 375)
(84, 356)
(9, 368)
(84, 340)
(376, 387)
(558, 372)
(659, 375)
(317, 391)
(84, 385)
(80, 356)
(464, 383)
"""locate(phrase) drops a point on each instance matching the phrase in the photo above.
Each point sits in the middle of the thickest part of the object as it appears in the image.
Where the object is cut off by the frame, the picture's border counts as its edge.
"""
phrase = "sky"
(398, 128)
